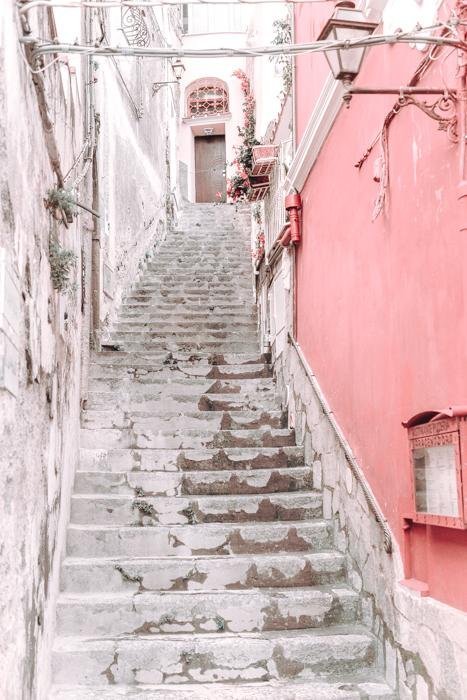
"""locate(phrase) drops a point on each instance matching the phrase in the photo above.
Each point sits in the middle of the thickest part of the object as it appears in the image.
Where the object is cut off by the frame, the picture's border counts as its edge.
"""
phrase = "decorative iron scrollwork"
(443, 110)
(134, 27)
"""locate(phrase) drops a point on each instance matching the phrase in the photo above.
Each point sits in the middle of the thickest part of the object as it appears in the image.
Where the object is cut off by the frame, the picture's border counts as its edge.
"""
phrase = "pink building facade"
(365, 318)
(381, 304)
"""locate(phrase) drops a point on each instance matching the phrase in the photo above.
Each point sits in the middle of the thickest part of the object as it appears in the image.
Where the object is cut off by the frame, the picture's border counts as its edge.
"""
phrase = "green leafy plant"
(60, 198)
(220, 623)
(283, 35)
(62, 262)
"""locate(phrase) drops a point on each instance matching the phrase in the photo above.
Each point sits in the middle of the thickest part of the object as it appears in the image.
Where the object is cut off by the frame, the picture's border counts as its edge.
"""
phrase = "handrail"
(353, 464)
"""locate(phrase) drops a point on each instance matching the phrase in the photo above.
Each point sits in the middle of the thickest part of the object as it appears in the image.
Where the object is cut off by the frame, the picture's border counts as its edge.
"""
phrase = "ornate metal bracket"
(443, 109)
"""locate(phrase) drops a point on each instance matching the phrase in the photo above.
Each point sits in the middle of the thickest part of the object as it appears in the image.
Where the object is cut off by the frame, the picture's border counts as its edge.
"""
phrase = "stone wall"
(40, 332)
(422, 643)
(45, 333)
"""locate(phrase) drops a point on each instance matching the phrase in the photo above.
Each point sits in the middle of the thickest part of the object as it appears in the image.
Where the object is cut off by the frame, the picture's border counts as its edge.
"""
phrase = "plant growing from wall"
(239, 185)
(62, 262)
(282, 29)
(59, 198)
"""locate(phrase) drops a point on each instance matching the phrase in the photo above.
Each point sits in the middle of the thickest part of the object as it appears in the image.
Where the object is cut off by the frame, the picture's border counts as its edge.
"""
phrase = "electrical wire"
(24, 7)
(271, 50)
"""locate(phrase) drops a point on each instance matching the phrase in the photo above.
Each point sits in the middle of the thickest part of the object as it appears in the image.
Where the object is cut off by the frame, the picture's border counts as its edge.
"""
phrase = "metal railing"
(274, 210)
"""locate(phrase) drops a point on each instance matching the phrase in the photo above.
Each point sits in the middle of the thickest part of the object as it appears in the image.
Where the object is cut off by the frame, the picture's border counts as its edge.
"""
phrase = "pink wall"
(381, 310)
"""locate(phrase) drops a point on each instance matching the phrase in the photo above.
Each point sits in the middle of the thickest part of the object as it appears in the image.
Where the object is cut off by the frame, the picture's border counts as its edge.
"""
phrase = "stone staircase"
(198, 561)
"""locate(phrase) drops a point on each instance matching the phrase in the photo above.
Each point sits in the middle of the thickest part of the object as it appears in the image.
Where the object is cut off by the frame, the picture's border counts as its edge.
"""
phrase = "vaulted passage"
(199, 564)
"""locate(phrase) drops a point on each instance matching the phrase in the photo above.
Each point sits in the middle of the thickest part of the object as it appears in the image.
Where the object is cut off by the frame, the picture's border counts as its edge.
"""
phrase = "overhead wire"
(270, 50)
(25, 6)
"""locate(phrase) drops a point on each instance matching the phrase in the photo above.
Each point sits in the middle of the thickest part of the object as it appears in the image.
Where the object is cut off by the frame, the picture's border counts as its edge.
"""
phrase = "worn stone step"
(192, 283)
(184, 438)
(182, 402)
(179, 383)
(187, 344)
(190, 460)
(129, 510)
(177, 315)
(164, 305)
(152, 278)
(121, 337)
(80, 575)
(256, 610)
(153, 421)
(213, 658)
(196, 360)
(195, 483)
(354, 687)
(166, 327)
(204, 538)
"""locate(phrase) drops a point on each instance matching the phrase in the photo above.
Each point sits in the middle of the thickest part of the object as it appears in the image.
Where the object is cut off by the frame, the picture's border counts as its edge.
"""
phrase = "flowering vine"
(239, 184)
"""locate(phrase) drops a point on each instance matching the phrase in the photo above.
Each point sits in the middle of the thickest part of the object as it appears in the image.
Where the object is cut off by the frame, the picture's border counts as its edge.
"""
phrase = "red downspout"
(293, 204)
(291, 233)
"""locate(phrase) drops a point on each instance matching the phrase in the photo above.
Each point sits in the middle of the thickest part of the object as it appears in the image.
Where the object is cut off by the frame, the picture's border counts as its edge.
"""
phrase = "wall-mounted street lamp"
(178, 70)
(348, 24)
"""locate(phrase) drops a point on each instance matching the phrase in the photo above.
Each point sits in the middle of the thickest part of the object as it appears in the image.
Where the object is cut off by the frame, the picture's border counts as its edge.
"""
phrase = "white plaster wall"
(46, 340)
(136, 160)
(39, 412)
(267, 78)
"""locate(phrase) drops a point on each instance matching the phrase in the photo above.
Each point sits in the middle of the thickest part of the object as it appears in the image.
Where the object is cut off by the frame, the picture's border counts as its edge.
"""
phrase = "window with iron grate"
(207, 97)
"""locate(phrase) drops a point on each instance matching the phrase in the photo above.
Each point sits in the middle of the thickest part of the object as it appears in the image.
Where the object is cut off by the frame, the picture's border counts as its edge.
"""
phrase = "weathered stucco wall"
(137, 184)
(39, 401)
(45, 334)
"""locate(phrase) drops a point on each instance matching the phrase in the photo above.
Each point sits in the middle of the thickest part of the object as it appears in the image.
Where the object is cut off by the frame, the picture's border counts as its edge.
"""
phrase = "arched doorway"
(206, 100)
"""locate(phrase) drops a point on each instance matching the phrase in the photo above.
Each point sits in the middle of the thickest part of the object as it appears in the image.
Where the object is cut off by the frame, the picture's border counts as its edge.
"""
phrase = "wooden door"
(209, 167)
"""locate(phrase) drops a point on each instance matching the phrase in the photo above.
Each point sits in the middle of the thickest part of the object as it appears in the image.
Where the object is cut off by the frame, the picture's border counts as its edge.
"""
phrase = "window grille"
(207, 98)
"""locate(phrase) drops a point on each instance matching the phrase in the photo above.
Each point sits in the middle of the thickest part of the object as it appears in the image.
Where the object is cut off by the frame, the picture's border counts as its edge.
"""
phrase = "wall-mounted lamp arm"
(443, 110)
(157, 86)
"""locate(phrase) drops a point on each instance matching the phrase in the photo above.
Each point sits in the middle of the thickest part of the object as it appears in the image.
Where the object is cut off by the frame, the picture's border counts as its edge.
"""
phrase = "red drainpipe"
(292, 234)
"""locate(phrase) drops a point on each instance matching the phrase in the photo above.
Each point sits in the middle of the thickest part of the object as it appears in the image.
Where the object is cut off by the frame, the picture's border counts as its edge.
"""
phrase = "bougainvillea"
(239, 184)
(258, 252)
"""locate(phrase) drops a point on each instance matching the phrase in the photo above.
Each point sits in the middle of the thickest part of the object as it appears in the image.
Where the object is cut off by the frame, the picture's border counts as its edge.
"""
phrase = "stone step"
(218, 420)
(188, 344)
(145, 336)
(168, 328)
(191, 281)
(236, 458)
(195, 483)
(218, 572)
(177, 315)
(179, 382)
(354, 687)
(213, 657)
(153, 277)
(148, 401)
(199, 359)
(147, 511)
(216, 307)
(185, 370)
(204, 538)
(265, 610)
(184, 438)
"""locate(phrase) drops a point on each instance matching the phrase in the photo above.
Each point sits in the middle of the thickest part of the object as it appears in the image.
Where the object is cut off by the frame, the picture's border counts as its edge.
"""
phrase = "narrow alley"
(233, 349)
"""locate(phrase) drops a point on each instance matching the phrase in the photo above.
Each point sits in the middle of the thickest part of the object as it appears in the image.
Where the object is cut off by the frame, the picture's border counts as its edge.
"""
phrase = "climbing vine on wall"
(283, 35)
(239, 184)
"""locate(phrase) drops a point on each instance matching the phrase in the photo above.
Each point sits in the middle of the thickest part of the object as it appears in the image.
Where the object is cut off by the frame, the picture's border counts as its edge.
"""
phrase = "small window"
(206, 98)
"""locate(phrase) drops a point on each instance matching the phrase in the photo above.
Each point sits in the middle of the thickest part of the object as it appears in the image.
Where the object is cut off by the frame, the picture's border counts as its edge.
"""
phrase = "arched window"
(207, 97)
